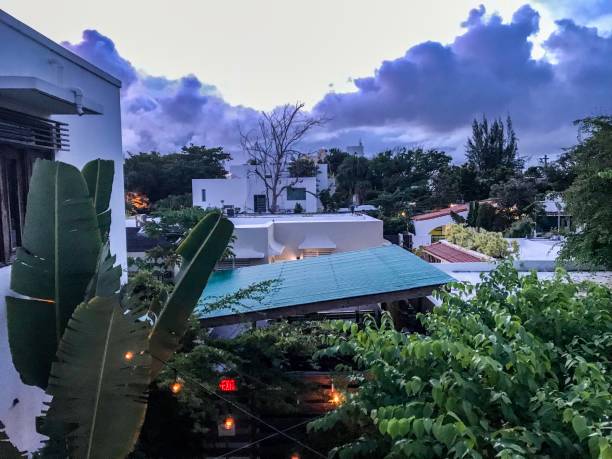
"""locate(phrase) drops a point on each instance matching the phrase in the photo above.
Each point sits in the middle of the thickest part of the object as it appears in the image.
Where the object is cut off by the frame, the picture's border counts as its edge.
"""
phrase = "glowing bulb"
(129, 355)
(229, 423)
(176, 386)
(295, 456)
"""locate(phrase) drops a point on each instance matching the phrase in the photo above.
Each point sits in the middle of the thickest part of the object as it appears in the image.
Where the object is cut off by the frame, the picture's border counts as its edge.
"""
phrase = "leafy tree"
(159, 176)
(298, 209)
(513, 367)
(333, 159)
(303, 166)
(588, 198)
(518, 194)
(493, 150)
(353, 171)
(174, 202)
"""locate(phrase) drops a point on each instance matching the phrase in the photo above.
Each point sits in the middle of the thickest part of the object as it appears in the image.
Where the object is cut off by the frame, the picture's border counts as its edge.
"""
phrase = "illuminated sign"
(228, 385)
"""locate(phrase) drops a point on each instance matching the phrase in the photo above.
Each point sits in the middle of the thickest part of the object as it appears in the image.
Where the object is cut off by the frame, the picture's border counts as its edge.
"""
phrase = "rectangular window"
(203, 195)
(296, 194)
(15, 170)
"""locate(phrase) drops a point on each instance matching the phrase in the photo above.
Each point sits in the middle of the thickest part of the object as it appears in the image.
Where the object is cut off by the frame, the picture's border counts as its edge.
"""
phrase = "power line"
(238, 407)
(267, 438)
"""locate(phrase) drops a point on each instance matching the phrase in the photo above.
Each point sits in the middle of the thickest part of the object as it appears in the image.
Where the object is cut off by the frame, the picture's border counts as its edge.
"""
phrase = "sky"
(389, 73)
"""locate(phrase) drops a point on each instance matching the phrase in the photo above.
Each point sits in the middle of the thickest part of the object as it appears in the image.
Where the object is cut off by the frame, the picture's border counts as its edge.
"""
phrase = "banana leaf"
(7, 449)
(53, 267)
(99, 175)
(200, 251)
(100, 396)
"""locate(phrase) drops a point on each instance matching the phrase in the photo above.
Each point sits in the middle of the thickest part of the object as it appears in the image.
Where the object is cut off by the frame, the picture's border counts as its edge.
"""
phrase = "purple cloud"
(427, 97)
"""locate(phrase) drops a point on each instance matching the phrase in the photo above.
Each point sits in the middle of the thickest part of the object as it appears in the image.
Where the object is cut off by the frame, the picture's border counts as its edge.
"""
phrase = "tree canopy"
(159, 176)
(589, 197)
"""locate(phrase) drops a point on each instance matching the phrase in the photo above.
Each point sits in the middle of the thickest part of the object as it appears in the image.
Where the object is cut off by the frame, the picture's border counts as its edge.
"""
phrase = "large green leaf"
(7, 449)
(99, 175)
(99, 396)
(200, 250)
(53, 267)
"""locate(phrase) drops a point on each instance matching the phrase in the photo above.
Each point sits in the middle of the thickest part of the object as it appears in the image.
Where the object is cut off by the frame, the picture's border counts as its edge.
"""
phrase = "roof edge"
(29, 32)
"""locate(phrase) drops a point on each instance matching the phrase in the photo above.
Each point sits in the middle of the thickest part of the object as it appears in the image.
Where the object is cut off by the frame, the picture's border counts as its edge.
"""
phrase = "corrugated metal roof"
(362, 273)
(451, 254)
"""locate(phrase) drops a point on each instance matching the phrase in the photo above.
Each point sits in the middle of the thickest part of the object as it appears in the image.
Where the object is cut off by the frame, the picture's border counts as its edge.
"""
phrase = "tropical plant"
(73, 333)
(513, 367)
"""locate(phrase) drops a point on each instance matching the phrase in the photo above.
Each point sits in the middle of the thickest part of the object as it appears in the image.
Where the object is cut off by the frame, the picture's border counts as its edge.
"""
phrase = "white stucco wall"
(422, 228)
(24, 52)
(347, 232)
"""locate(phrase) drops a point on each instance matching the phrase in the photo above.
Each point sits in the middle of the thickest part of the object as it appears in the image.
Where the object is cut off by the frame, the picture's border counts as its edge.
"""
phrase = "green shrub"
(487, 242)
(514, 367)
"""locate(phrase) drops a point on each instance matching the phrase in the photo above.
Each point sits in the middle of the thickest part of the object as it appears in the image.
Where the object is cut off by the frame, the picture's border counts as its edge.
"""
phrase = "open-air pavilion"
(326, 283)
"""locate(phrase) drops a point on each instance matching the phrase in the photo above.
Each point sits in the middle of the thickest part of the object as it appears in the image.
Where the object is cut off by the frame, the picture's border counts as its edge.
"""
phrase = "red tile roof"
(450, 254)
(442, 212)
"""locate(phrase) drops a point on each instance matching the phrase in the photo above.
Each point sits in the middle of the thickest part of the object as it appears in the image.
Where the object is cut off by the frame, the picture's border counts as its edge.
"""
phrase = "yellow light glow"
(295, 456)
(229, 423)
(336, 398)
(129, 355)
(176, 386)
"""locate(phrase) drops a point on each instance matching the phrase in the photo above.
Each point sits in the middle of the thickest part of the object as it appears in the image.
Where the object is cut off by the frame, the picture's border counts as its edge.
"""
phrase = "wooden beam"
(307, 308)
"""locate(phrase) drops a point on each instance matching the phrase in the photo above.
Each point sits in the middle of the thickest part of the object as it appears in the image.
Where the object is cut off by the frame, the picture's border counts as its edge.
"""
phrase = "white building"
(244, 191)
(44, 88)
(356, 150)
(429, 227)
(272, 238)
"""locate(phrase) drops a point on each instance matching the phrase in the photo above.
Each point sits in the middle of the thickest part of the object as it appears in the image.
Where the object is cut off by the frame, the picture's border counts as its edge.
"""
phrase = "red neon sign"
(228, 385)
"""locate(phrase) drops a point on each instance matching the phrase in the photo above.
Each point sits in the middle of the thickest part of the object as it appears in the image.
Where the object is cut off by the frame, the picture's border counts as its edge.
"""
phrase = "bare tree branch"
(274, 144)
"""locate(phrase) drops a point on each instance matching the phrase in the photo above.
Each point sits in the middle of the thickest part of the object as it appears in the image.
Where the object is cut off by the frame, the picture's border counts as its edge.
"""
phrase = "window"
(296, 194)
(203, 195)
(23, 139)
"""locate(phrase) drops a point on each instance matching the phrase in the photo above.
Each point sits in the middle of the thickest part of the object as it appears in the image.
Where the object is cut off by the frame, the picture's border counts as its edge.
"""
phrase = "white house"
(244, 191)
(271, 238)
(427, 225)
(44, 90)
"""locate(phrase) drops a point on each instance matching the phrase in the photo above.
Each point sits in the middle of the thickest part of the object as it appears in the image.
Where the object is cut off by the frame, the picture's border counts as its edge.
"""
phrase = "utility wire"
(238, 407)
(266, 438)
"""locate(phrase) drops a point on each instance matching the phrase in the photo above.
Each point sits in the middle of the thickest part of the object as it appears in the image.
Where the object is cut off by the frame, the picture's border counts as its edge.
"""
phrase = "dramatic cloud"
(427, 97)
(487, 70)
(163, 114)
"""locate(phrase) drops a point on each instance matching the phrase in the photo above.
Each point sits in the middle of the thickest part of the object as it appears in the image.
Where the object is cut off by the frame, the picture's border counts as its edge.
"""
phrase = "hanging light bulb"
(296, 456)
(177, 385)
(229, 423)
(129, 355)
(336, 397)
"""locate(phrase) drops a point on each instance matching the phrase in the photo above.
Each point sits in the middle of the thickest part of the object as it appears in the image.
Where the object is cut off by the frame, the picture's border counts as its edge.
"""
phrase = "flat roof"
(267, 219)
(318, 284)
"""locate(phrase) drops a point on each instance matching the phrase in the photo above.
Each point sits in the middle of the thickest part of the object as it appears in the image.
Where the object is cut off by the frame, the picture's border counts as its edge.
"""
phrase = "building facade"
(244, 191)
(272, 238)
(53, 105)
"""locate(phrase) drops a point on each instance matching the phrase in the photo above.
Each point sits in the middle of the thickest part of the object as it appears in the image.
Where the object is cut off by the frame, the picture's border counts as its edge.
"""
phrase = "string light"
(336, 397)
(177, 385)
(129, 355)
(229, 423)
(296, 456)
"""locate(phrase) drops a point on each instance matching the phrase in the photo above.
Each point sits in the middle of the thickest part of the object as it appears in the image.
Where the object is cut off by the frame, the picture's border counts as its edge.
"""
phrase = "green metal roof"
(329, 281)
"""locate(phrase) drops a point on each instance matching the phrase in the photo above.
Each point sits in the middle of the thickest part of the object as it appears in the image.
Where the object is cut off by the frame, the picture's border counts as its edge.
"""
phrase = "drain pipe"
(78, 100)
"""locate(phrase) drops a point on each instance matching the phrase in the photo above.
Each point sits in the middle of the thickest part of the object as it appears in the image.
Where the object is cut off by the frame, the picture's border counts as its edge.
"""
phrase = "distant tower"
(356, 150)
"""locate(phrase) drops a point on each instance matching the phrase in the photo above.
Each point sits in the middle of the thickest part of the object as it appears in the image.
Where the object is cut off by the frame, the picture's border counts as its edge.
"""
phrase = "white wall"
(422, 228)
(239, 192)
(91, 136)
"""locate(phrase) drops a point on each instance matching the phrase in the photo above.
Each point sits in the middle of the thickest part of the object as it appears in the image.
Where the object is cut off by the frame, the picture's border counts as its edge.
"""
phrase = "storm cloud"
(427, 97)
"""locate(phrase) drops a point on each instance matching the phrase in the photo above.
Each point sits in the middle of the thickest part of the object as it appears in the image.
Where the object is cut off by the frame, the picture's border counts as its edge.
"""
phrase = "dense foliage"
(261, 359)
(514, 367)
(589, 198)
(487, 242)
(159, 176)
